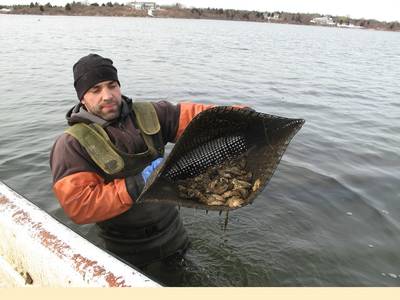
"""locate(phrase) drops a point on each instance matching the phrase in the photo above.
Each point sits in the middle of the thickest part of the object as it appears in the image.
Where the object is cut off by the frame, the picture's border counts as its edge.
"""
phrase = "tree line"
(177, 10)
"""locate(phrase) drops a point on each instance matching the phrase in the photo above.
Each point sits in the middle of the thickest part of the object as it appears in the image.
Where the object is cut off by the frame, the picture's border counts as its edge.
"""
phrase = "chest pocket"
(94, 139)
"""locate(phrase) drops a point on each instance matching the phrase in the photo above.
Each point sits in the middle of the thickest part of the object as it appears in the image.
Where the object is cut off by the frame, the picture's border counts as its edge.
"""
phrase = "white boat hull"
(37, 250)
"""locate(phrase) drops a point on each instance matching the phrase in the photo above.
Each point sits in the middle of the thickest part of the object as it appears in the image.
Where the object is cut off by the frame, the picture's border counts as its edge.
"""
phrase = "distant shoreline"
(176, 11)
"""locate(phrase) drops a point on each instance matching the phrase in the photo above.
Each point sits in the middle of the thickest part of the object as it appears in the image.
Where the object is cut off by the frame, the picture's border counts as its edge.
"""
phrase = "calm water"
(330, 215)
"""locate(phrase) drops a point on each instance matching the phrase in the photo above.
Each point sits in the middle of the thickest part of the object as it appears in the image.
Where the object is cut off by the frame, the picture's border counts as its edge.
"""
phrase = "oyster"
(234, 202)
(228, 184)
(219, 185)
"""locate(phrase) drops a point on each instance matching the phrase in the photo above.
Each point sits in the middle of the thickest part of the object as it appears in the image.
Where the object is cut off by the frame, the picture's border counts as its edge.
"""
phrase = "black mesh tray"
(214, 136)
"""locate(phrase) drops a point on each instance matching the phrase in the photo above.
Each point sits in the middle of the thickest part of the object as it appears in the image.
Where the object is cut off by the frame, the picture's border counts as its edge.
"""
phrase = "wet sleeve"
(81, 191)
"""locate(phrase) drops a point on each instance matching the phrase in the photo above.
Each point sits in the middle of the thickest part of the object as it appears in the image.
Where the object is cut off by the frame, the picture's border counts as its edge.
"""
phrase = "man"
(97, 164)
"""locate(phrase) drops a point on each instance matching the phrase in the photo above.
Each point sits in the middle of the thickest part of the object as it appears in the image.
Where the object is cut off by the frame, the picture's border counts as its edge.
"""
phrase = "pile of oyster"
(228, 184)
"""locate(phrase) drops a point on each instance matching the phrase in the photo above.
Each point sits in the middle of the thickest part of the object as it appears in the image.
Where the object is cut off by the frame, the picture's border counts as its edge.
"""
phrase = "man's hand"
(150, 168)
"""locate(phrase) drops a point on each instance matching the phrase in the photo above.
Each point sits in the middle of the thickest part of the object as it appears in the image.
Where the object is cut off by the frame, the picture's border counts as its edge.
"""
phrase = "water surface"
(330, 215)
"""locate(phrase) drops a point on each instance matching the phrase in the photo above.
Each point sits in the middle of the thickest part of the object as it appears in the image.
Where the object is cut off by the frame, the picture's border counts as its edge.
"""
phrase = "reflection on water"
(330, 215)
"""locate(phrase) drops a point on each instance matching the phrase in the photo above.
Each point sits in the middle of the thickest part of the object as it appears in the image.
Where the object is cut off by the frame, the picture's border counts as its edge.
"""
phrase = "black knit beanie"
(90, 70)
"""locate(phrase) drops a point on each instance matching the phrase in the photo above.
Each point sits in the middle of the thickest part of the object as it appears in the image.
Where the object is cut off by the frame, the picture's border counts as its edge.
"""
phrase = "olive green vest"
(105, 154)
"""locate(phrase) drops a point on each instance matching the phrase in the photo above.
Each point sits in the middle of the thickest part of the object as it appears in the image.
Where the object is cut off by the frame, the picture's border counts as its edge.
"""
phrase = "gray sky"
(384, 10)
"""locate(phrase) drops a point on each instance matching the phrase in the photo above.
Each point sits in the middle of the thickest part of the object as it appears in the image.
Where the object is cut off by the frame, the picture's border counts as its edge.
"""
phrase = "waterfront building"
(326, 20)
(142, 5)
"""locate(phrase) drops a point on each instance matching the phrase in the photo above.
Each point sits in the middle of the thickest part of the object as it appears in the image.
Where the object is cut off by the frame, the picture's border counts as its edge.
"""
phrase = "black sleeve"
(134, 185)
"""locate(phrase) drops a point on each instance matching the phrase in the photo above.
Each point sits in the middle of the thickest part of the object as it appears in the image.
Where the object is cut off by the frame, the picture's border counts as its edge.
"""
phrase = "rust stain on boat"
(115, 281)
(98, 271)
(52, 242)
(5, 201)
(21, 217)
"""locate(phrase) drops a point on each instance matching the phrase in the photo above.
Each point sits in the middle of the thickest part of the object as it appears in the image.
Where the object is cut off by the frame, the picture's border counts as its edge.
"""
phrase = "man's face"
(104, 100)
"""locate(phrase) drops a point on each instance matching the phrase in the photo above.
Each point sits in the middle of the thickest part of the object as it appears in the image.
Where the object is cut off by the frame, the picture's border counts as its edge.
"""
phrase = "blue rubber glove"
(150, 168)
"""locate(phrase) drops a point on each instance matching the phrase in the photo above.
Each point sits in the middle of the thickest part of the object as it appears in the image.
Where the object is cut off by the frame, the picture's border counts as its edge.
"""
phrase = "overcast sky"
(384, 10)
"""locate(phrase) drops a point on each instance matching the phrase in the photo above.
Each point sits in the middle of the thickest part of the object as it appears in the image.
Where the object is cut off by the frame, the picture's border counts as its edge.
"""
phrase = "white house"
(142, 5)
(326, 20)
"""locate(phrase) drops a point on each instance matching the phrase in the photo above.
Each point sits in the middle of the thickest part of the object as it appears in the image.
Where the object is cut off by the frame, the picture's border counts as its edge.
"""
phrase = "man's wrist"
(134, 185)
